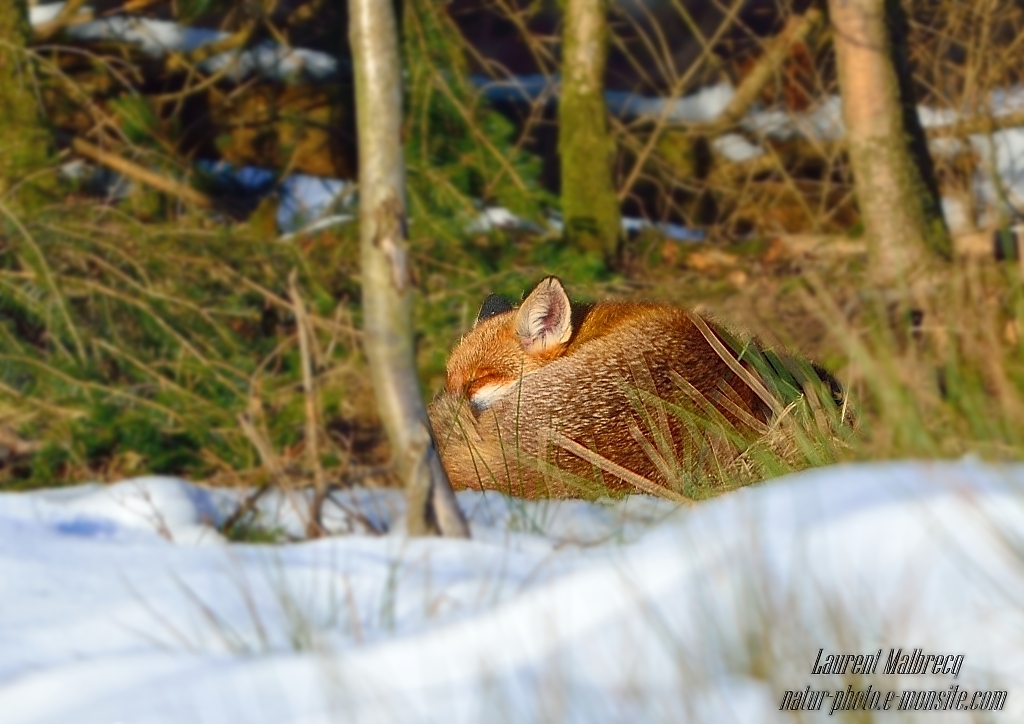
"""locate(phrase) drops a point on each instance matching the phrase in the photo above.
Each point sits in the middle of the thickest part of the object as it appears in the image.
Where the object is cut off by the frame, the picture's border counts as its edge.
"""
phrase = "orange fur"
(594, 373)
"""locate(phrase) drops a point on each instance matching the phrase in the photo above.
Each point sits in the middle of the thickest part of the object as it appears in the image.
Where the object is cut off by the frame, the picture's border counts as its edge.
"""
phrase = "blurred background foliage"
(144, 331)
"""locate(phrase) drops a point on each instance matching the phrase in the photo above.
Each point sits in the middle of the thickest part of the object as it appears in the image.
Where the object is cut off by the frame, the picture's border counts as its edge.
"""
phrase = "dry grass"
(935, 376)
(131, 348)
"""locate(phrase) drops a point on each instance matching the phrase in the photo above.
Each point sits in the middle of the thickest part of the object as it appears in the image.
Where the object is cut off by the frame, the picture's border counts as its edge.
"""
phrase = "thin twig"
(314, 527)
(734, 364)
(140, 173)
(638, 481)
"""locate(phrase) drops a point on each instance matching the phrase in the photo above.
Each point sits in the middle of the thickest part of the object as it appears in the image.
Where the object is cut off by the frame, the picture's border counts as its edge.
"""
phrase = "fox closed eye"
(483, 394)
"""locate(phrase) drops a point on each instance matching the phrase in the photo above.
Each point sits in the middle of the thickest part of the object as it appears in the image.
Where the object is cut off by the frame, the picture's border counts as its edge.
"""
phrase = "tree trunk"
(387, 289)
(24, 140)
(897, 195)
(590, 207)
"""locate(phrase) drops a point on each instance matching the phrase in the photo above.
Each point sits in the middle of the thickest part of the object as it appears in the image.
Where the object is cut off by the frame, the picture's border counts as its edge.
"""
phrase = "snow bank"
(122, 603)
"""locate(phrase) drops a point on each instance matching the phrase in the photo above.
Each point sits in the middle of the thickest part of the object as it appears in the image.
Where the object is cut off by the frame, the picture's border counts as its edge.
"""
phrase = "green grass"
(129, 348)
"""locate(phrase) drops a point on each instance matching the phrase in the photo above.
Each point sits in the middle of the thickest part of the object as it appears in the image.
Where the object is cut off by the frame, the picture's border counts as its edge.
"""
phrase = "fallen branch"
(140, 173)
(638, 481)
(976, 124)
(734, 364)
(798, 28)
(980, 244)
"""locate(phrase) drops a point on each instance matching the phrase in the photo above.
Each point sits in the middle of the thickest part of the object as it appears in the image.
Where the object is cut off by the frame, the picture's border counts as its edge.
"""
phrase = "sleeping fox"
(560, 399)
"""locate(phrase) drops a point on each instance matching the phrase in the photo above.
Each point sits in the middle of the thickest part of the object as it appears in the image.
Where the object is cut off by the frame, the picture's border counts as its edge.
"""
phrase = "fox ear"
(494, 305)
(544, 320)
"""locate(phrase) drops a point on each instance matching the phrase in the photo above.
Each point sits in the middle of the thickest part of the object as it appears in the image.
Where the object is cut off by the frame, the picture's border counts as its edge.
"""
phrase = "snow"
(736, 148)
(998, 183)
(497, 217)
(308, 204)
(159, 37)
(307, 200)
(702, 106)
(123, 604)
(39, 14)
(999, 180)
(822, 122)
(673, 232)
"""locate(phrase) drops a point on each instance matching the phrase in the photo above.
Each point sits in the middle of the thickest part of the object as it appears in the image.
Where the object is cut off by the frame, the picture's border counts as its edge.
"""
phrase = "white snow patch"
(493, 218)
(736, 148)
(308, 199)
(675, 232)
(999, 180)
(567, 610)
(39, 14)
(701, 106)
(958, 215)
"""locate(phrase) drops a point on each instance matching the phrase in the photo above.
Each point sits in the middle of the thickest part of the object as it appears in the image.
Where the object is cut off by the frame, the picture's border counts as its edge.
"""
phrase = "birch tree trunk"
(590, 207)
(896, 193)
(387, 290)
(24, 140)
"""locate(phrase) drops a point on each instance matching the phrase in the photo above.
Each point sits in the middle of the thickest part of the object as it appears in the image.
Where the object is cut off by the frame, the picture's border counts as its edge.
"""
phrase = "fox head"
(507, 344)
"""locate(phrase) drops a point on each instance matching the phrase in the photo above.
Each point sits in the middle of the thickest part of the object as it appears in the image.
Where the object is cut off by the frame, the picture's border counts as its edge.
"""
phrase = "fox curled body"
(560, 399)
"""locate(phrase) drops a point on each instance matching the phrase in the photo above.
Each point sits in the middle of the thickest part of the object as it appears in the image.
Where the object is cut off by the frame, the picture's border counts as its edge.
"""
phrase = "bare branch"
(140, 173)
